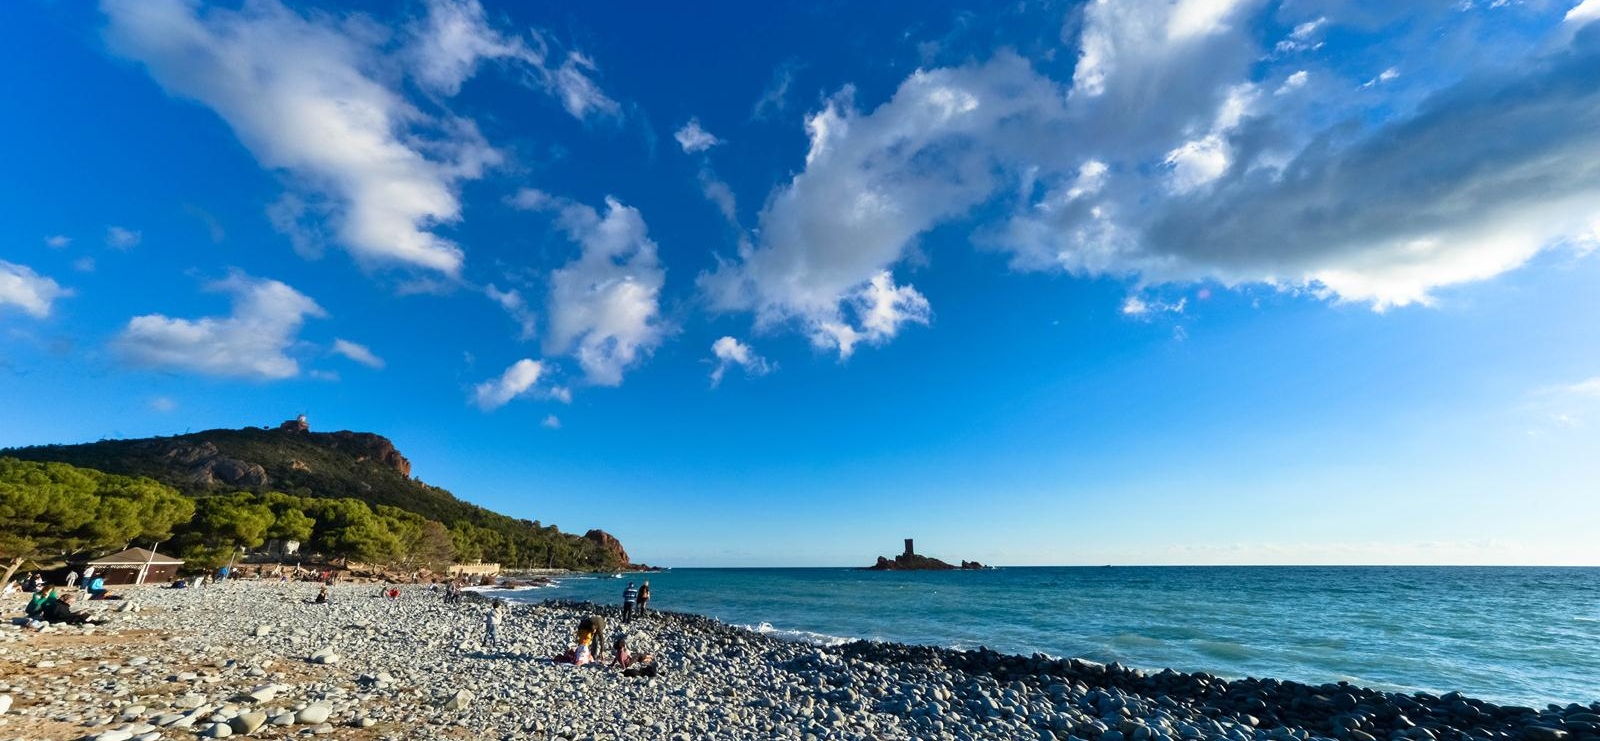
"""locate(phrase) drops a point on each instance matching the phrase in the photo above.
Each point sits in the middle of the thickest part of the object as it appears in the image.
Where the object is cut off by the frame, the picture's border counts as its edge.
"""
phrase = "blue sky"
(1207, 281)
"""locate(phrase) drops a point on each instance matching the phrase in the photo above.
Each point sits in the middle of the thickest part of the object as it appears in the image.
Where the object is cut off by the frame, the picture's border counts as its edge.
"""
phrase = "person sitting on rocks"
(633, 665)
(60, 611)
(97, 588)
(591, 631)
(38, 603)
(322, 595)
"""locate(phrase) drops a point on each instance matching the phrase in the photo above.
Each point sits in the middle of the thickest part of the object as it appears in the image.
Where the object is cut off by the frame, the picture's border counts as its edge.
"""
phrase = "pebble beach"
(258, 659)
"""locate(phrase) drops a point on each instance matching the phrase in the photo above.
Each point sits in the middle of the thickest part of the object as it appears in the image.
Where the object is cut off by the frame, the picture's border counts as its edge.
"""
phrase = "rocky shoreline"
(256, 659)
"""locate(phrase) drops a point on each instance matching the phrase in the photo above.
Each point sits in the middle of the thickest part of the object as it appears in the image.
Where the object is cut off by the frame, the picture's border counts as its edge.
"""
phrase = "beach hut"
(136, 566)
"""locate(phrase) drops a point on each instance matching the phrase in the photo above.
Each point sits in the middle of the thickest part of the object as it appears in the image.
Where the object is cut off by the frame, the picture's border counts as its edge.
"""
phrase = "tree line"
(54, 511)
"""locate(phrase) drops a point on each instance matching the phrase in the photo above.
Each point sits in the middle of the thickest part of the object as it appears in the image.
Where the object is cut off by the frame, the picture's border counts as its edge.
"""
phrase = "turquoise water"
(1511, 635)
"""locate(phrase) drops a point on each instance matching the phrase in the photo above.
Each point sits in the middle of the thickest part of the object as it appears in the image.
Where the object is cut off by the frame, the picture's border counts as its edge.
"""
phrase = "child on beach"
(642, 665)
(491, 624)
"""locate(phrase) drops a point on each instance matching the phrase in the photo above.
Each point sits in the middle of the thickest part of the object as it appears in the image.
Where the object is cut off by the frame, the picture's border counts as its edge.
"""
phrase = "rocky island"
(911, 561)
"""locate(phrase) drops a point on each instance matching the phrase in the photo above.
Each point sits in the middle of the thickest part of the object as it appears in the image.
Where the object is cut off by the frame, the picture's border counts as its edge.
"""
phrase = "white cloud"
(1135, 306)
(31, 292)
(84, 264)
(730, 352)
(873, 183)
(451, 41)
(57, 241)
(1212, 181)
(579, 93)
(118, 238)
(359, 353)
(551, 421)
(511, 300)
(604, 305)
(1300, 38)
(1384, 76)
(1583, 12)
(163, 404)
(695, 139)
(518, 380)
(303, 96)
(1293, 82)
(252, 342)
(455, 37)
(1137, 57)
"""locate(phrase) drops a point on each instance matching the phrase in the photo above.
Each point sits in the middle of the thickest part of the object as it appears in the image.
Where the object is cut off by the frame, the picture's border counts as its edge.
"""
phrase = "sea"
(1511, 635)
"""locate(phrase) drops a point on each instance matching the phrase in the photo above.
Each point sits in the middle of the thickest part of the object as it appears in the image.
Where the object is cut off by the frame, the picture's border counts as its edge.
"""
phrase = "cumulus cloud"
(301, 95)
(695, 139)
(552, 422)
(252, 342)
(518, 380)
(359, 353)
(32, 293)
(1162, 161)
(730, 352)
(873, 184)
(604, 305)
(57, 241)
(118, 238)
(163, 404)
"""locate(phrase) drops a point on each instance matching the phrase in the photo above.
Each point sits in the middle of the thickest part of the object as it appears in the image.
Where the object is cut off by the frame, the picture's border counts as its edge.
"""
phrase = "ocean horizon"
(1508, 634)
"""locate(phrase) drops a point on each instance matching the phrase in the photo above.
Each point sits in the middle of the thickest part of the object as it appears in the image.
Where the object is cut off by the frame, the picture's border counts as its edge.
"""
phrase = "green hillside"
(336, 465)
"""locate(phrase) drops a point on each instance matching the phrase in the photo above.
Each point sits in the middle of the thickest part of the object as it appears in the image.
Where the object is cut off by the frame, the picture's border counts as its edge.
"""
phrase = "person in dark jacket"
(60, 611)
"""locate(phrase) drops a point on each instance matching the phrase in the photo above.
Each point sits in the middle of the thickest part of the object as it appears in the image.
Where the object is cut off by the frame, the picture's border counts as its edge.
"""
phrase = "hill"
(358, 465)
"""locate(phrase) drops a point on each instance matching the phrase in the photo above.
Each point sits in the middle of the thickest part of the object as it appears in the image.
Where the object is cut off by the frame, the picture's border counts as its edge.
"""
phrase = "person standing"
(491, 624)
(72, 578)
(630, 598)
(644, 596)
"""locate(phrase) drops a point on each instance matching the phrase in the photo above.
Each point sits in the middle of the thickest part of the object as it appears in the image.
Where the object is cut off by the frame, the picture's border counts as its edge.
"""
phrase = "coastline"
(239, 658)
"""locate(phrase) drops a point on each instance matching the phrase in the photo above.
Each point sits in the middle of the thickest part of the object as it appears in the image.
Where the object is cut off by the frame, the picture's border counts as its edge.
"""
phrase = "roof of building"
(135, 557)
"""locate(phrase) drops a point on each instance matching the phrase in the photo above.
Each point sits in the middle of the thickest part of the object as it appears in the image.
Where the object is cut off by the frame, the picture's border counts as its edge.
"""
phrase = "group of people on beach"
(34, 583)
(591, 632)
(49, 606)
(591, 636)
